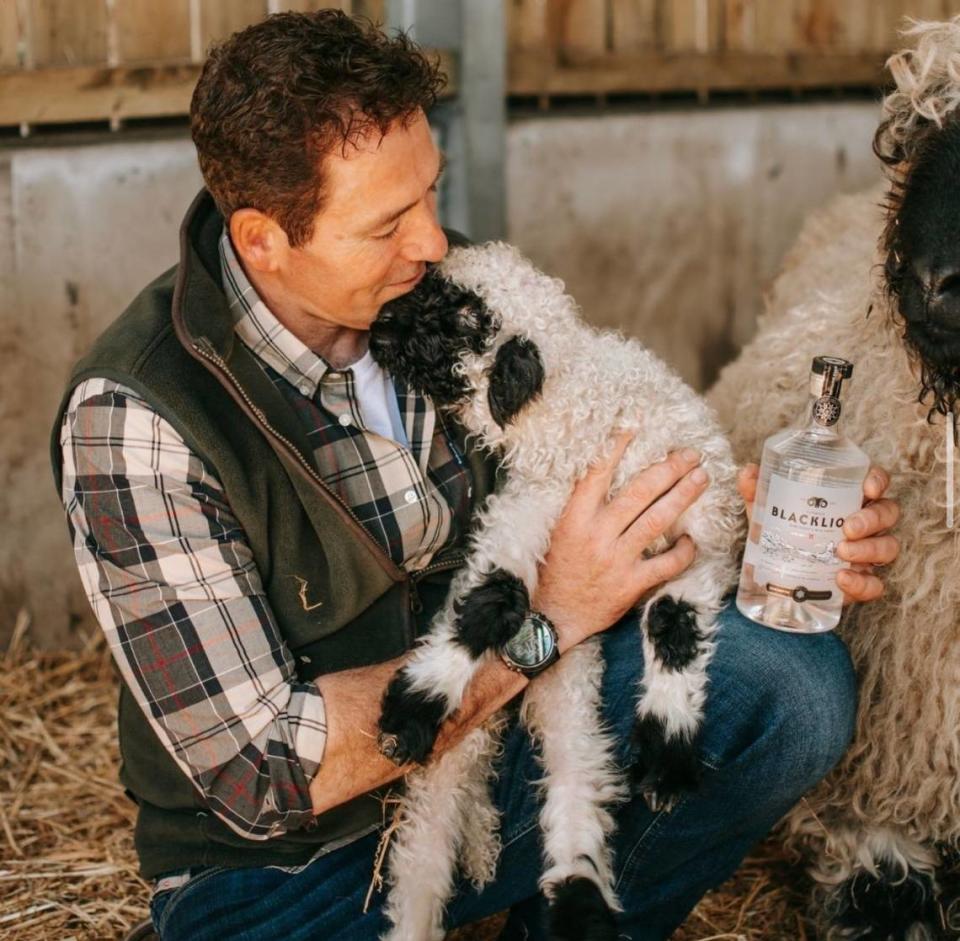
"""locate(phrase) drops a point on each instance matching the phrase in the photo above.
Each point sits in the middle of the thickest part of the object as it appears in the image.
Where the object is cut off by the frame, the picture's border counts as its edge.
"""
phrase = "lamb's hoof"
(674, 632)
(409, 723)
(663, 769)
(578, 912)
(491, 613)
(884, 908)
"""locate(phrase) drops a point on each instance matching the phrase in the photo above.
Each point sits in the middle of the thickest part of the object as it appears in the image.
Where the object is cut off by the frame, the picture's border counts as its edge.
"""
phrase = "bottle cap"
(822, 365)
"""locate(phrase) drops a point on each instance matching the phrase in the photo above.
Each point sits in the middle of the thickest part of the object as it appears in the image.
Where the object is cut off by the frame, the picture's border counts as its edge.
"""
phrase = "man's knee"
(783, 703)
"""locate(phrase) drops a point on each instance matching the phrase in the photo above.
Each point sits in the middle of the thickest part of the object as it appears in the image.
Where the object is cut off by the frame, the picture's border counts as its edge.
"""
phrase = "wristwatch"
(533, 648)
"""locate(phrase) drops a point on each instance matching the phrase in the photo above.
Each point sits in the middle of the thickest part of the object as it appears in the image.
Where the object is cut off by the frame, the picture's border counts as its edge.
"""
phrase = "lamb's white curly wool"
(594, 386)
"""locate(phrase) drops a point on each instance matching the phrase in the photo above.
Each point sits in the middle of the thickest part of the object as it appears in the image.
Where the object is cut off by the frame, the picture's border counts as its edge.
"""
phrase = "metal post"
(471, 126)
(483, 79)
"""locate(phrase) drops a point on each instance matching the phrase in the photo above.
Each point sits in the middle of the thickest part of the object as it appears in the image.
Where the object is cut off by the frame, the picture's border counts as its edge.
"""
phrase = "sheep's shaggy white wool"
(927, 84)
(897, 791)
(595, 384)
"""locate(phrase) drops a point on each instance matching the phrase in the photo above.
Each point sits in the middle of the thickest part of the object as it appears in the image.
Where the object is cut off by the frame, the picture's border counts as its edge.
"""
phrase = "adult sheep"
(880, 285)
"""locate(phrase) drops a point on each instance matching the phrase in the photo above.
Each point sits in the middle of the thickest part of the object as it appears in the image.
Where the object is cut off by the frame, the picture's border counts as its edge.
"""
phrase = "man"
(263, 523)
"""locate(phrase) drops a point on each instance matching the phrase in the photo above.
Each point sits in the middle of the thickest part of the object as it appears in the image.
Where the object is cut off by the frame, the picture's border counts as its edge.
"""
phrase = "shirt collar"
(260, 330)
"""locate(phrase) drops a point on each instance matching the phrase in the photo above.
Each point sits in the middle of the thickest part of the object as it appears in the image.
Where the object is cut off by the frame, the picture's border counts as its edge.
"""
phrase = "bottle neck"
(821, 415)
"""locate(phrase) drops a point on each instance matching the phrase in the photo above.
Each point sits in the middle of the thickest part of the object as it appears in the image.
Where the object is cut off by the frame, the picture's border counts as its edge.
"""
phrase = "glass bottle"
(811, 479)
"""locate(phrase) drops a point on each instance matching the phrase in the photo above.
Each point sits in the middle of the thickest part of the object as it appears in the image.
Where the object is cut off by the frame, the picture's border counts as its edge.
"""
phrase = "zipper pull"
(416, 605)
(203, 345)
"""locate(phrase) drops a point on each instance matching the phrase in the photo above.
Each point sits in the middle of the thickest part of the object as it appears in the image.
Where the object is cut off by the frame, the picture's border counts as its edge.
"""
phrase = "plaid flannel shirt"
(172, 580)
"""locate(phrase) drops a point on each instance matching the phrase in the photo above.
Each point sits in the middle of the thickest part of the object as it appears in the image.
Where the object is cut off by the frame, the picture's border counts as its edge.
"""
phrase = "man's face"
(377, 231)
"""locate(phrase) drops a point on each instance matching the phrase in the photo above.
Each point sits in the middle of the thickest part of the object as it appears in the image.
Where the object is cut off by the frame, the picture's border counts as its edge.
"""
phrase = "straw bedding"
(67, 867)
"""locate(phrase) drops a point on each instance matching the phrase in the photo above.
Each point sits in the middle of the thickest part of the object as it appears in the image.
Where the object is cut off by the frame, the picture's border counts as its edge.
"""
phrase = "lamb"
(500, 345)
(882, 831)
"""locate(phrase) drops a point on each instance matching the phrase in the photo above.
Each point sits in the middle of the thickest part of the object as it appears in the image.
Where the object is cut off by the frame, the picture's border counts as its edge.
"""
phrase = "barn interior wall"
(666, 225)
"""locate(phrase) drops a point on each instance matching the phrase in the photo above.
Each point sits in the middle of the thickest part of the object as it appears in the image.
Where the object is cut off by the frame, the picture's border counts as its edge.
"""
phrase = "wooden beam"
(48, 96)
(691, 71)
(67, 32)
(67, 96)
(634, 25)
(145, 37)
(221, 18)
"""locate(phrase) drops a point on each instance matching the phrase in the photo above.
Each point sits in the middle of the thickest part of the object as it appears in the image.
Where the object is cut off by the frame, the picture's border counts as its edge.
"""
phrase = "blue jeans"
(779, 715)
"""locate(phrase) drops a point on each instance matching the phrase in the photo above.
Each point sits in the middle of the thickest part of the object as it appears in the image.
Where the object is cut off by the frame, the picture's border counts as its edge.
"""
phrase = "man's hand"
(595, 570)
(867, 541)
(593, 573)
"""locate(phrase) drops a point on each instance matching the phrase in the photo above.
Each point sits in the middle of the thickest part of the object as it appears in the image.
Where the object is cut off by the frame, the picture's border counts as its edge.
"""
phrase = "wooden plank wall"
(66, 33)
(81, 60)
(562, 47)
(88, 60)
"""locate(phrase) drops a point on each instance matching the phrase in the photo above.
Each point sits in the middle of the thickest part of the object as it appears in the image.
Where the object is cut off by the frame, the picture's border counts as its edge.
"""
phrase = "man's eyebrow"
(393, 216)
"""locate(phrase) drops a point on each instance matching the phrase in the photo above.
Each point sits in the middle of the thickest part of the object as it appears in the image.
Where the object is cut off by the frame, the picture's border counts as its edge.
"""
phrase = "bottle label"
(799, 532)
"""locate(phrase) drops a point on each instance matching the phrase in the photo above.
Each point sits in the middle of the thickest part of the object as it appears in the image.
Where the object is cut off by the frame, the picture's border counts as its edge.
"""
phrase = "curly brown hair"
(275, 98)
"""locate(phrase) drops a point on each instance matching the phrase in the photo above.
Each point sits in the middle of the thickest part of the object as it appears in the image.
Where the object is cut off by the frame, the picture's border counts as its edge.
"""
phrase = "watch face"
(531, 645)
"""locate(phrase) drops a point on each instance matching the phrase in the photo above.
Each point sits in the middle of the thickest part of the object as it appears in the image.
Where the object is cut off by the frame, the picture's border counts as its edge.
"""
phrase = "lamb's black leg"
(492, 612)
(578, 912)
(665, 767)
(486, 616)
(409, 721)
(884, 907)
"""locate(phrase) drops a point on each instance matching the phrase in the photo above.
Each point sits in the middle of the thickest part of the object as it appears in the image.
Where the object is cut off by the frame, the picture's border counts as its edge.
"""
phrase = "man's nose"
(427, 241)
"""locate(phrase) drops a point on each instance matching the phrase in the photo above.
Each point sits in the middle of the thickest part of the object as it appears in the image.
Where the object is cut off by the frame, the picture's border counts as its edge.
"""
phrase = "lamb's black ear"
(516, 377)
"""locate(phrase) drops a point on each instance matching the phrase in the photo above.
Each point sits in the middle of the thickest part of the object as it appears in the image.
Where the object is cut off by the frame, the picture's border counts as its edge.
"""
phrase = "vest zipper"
(453, 562)
(416, 605)
(204, 349)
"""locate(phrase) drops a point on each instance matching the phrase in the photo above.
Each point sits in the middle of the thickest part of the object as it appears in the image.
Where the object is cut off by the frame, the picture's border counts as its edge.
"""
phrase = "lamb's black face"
(420, 337)
(922, 266)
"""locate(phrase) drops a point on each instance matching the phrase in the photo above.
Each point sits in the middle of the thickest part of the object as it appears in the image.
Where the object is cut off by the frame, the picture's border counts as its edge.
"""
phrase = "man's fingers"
(747, 485)
(876, 550)
(859, 586)
(645, 487)
(663, 512)
(667, 564)
(872, 519)
(876, 483)
(595, 484)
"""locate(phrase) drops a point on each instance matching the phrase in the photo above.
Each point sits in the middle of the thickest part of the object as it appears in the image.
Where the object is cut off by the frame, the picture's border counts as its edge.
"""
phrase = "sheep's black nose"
(946, 287)
(941, 285)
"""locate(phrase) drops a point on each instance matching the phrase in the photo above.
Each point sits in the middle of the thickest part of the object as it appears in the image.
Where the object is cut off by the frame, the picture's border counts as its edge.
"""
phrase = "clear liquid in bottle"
(811, 479)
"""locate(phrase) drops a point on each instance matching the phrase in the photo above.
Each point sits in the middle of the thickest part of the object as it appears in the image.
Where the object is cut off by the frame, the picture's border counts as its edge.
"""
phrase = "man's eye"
(388, 235)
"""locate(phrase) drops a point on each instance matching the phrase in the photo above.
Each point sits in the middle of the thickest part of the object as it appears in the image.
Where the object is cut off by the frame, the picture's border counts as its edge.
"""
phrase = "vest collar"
(201, 314)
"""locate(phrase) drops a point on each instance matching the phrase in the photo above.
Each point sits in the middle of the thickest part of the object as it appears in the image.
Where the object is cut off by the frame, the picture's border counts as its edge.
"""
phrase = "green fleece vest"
(175, 345)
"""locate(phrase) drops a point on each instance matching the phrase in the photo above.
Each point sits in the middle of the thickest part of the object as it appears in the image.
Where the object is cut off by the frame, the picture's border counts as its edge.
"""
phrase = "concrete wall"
(666, 225)
(82, 228)
(669, 225)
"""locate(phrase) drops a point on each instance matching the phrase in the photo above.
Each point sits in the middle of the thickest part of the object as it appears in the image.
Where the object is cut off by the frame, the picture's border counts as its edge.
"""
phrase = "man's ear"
(258, 240)
(516, 377)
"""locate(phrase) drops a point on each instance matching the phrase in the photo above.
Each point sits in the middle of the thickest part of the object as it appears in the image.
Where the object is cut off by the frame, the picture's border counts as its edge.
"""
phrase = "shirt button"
(305, 389)
(410, 496)
(345, 420)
